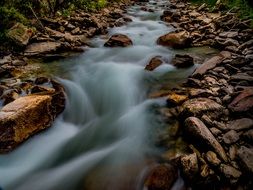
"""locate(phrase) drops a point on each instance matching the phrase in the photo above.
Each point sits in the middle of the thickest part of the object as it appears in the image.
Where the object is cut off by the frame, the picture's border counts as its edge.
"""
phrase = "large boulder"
(20, 34)
(175, 40)
(197, 129)
(118, 40)
(27, 115)
(42, 48)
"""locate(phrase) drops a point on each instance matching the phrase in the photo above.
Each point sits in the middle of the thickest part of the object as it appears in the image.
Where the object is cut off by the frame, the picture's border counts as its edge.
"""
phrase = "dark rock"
(245, 156)
(231, 137)
(42, 48)
(240, 124)
(248, 136)
(197, 129)
(162, 176)
(182, 61)
(189, 164)
(243, 102)
(198, 92)
(118, 40)
(154, 63)
(215, 131)
(175, 40)
(230, 172)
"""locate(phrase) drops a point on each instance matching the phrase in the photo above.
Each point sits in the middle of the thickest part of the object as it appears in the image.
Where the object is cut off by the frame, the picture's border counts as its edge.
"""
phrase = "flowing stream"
(103, 140)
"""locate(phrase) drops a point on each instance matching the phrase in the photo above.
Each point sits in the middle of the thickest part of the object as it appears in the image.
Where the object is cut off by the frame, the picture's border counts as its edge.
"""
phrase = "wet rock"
(182, 61)
(161, 177)
(40, 89)
(42, 48)
(154, 63)
(18, 62)
(245, 156)
(211, 63)
(174, 99)
(23, 118)
(20, 34)
(211, 157)
(243, 102)
(118, 40)
(9, 96)
(240, 124)
(200, 106)
(175, 40)
(189, 164)
(197, 129)
(230, 172)
(231, 137)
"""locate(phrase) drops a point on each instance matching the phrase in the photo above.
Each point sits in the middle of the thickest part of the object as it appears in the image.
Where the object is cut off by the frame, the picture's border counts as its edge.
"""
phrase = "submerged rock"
(118, 40)
(175, 40)
(182, 61)
(197, 129)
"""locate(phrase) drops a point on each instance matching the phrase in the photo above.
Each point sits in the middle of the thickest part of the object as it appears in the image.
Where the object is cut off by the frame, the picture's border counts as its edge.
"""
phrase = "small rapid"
(103, 138)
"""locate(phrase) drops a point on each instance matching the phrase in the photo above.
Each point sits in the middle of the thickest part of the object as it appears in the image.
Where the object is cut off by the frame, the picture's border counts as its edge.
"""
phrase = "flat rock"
(245, 156)
(175, 40)
(182, 61)
(42, 48)
(231, 137)
(197, 129)
(154, 63)
(211, 63)
(241, 76)
(240, 124)
(243, 102)
(118, 40)
(201, 106)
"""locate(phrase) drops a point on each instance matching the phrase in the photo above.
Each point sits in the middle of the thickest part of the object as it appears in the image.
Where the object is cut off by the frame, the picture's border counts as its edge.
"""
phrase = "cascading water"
(102, 139)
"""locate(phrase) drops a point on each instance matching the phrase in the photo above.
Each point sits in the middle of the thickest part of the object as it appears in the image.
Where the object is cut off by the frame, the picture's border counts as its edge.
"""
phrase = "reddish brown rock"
(154, 63)
(175, 40)
(118, 40)
(243, 102)
(161, 177)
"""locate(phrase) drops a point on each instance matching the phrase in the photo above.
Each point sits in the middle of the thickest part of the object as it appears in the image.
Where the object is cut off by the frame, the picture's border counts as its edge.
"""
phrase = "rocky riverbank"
(42, 99)
(214, 107)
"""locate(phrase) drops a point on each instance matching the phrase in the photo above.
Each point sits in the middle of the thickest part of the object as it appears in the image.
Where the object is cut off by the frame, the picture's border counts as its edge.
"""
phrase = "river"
(104, 138)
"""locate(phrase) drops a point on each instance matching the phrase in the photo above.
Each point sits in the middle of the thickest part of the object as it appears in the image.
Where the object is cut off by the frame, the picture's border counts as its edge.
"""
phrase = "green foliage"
(243, 6)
